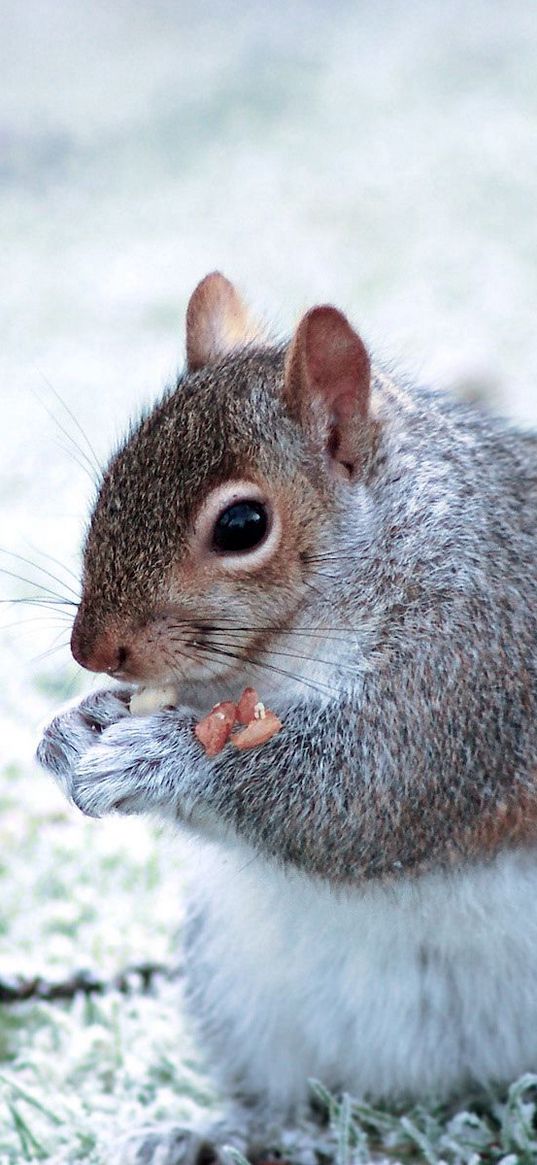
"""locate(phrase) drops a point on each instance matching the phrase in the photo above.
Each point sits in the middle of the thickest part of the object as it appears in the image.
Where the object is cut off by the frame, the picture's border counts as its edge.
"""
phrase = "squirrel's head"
(210, 519)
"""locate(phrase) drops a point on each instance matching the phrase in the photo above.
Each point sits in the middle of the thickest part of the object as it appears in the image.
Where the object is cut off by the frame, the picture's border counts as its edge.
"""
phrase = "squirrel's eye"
(241, 527)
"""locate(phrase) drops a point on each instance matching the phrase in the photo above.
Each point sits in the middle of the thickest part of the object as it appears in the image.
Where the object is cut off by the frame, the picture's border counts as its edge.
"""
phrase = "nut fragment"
(257, 731)
(146, 701)
(214, 731)
(226, 710)
(246, 706)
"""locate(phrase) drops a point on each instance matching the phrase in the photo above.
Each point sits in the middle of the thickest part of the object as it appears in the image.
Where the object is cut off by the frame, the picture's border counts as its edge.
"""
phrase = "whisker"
(317, 685)
(319, 593)
(50, 651)
(328, 555)
(58, 563)
(296, 655)
(44, 604)
(216, 628)
(71, 684)
(254, 858)
(43, 570)
(299, 632)
(42, 619)
(334, 559)
(325, 575)
(77, 459)
(191, 658)
(78, 455)
(45, 590)
(76, 422)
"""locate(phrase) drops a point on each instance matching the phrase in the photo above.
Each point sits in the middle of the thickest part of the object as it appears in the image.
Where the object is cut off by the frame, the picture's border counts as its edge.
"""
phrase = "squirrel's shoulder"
(444, 421)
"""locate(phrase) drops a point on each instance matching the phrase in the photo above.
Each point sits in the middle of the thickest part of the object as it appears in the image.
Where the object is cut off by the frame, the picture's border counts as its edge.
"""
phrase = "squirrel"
(364, 904)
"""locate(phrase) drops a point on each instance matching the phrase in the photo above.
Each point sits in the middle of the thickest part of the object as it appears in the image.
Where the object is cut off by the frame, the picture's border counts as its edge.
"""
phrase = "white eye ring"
(218, 501)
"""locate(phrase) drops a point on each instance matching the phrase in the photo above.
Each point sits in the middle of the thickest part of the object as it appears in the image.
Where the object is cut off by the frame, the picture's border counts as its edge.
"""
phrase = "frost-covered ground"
(382, 156)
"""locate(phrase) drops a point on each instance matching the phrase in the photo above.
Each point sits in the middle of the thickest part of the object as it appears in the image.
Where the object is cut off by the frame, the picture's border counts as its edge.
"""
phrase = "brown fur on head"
(246, 420)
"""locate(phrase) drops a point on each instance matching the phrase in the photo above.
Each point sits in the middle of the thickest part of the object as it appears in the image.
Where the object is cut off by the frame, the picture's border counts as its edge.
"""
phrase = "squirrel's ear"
(217, 322)
(327, 385)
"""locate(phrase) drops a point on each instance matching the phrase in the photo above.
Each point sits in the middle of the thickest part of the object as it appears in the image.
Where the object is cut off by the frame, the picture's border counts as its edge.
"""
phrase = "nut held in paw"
(146, 701)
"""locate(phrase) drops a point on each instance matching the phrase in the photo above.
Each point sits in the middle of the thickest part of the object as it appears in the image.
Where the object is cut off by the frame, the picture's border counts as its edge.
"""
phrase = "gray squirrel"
(364, 904)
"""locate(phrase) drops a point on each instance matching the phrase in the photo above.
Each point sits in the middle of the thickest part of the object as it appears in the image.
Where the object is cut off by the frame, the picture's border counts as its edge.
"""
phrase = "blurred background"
(380, 156)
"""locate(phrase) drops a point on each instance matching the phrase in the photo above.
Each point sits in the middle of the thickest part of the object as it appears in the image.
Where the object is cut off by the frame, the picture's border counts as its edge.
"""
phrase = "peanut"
(257, 731)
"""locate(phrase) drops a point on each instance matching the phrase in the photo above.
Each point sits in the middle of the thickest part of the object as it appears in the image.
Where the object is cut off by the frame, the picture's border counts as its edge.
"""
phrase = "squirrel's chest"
(381, 990)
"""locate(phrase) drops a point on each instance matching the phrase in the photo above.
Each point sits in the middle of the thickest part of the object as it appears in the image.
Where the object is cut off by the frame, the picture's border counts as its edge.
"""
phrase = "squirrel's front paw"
(76, 729)
(133, 766)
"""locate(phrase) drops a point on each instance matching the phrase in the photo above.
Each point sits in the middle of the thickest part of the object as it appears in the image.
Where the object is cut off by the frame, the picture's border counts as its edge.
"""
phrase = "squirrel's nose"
(101, 653)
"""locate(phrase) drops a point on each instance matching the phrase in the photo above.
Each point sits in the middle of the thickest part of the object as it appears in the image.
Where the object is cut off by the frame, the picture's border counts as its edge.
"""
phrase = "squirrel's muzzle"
(98, 652)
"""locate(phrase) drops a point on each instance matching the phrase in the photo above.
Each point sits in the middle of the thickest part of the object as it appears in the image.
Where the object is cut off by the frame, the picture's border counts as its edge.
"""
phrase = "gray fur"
(434, 735)
(409, 743)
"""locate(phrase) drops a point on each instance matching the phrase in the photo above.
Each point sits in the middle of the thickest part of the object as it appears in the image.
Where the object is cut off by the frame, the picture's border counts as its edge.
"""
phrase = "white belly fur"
(409, 990)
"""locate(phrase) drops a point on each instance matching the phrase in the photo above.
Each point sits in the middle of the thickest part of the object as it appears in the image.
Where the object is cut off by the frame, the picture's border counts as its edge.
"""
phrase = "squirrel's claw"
(74, 730)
